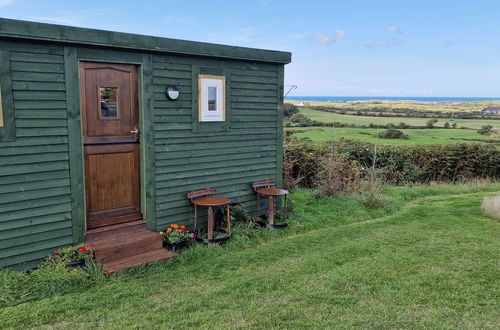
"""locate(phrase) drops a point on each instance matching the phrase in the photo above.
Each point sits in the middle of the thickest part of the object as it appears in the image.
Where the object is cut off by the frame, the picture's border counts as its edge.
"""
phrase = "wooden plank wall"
(35, 204)
(35, 196)
(226, 160)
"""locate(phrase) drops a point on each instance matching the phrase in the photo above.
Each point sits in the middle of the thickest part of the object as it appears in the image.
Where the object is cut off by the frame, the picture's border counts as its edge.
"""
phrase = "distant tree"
(402, 125)
(392, 133)
(430, 123)
(446, 125)
(289, 110)
(485, 130)
(454, 125)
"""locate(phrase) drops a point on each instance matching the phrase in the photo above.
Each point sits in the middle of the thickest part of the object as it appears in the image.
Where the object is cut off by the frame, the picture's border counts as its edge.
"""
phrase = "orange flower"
(183, 227)
(175, 226)
(182, 230)
(169, 229)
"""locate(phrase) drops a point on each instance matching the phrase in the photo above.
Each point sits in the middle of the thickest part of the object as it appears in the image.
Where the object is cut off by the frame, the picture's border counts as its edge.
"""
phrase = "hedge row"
(396, 164)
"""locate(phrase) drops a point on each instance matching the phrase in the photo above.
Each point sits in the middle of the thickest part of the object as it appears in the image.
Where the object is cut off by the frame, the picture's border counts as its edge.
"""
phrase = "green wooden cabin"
(73, 100)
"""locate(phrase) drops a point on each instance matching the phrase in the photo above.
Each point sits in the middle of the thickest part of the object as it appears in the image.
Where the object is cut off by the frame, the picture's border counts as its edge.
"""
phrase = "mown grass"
(430, 260)
(327, 117)
(416, 136)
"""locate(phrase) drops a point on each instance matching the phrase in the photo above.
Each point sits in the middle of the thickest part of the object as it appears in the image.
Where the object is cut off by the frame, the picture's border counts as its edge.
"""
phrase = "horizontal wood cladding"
(35, 181)
(226, 160)
(35, 204)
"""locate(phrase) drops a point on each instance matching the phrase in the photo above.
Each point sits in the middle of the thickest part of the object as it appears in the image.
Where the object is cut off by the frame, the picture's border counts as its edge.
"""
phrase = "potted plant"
(73, 256)
(176, 237)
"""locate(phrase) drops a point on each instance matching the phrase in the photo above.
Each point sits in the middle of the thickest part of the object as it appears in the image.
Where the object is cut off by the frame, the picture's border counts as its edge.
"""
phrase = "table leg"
(284, 210)
(258, 205)
(210, 225)
(270, 218)
(228, 220)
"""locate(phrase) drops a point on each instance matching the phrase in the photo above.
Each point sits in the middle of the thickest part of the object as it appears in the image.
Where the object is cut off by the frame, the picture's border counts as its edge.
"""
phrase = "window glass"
(109, 104)
(212, 98)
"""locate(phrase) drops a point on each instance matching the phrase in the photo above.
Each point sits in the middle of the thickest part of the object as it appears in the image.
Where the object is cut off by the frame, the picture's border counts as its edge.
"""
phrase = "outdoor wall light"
(172, 93)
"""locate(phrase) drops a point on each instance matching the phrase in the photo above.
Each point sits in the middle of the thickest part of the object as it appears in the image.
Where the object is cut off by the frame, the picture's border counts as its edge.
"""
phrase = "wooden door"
(111, 144)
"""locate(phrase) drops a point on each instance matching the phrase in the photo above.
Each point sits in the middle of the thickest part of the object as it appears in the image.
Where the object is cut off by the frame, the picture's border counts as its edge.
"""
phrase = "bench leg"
(228, 219)
(210, 225)
(285, 211)
(270, 218)
(258, 205)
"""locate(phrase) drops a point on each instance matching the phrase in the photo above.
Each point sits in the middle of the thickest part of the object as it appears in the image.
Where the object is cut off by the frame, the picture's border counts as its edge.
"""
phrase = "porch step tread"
(122, 227)
(121, 237)
(136, 260)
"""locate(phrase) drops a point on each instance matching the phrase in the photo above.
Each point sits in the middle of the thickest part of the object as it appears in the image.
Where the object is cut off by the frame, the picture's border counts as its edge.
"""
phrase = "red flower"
(82, 249)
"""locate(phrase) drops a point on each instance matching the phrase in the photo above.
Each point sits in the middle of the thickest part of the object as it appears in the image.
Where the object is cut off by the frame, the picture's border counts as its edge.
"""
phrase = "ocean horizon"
(391, 98)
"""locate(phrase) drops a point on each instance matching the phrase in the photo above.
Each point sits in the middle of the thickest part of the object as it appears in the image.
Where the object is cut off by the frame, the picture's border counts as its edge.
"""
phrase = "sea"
(391, 98)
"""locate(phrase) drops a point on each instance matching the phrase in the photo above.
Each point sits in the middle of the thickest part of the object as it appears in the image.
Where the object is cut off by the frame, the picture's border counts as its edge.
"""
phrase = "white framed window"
(211, 98)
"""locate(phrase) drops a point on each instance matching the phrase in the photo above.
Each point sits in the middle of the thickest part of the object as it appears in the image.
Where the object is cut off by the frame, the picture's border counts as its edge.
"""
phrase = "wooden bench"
(264, 188)
(204, 198)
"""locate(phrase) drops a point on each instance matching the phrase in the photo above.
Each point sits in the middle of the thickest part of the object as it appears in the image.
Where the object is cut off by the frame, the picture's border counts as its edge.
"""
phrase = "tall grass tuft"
(491, 206)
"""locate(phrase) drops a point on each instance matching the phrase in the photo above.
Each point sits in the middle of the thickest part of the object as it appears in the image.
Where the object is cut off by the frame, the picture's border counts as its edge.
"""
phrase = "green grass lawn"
(327, 117)
(429, 261)
(416, 136)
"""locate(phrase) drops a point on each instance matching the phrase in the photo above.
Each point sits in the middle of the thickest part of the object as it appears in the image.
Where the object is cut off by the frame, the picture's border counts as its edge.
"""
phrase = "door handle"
(135, 130)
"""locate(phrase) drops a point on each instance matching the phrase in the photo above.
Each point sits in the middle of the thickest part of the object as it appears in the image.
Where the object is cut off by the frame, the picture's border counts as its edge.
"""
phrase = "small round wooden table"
(213, 202)
(272, 193)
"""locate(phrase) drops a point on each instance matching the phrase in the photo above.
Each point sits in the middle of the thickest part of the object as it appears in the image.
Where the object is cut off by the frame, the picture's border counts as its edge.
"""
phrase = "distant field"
(417, 136)
(422, 106)
(327, 117)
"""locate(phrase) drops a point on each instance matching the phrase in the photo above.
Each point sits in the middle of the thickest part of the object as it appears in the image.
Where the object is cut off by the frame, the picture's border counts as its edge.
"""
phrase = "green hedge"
(398, 164)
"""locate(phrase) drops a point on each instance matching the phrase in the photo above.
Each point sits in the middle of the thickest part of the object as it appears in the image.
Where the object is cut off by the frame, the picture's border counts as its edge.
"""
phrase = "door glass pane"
(109, 105)
(212, 98)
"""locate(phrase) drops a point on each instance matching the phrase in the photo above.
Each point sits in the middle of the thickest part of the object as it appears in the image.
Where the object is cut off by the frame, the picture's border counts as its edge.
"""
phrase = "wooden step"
(94, 234)
(123, 247)
(136, 260)
(126, 245)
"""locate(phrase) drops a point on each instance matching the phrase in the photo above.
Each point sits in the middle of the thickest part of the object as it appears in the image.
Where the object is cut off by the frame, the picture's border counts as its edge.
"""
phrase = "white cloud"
(324, 39)
(5, 2)
(340, 34)
(330, 39)
(393, 29)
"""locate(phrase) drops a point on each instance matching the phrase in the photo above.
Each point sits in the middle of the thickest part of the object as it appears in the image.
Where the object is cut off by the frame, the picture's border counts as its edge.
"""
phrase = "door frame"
(73, 56)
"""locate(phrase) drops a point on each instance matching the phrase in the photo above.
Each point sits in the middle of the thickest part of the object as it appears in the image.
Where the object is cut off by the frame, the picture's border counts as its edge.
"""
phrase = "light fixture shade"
(172, 93)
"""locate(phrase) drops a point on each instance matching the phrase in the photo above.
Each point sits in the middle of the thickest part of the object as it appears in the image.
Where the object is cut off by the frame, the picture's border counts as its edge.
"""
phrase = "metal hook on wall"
(290, 89)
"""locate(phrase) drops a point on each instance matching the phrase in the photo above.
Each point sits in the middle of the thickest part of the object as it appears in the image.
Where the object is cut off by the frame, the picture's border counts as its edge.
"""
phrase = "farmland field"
(328, 117)
(416, 136)
(374, 105)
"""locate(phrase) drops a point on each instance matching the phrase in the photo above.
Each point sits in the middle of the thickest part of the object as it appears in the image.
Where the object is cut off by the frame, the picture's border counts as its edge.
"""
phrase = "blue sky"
(340, 48)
